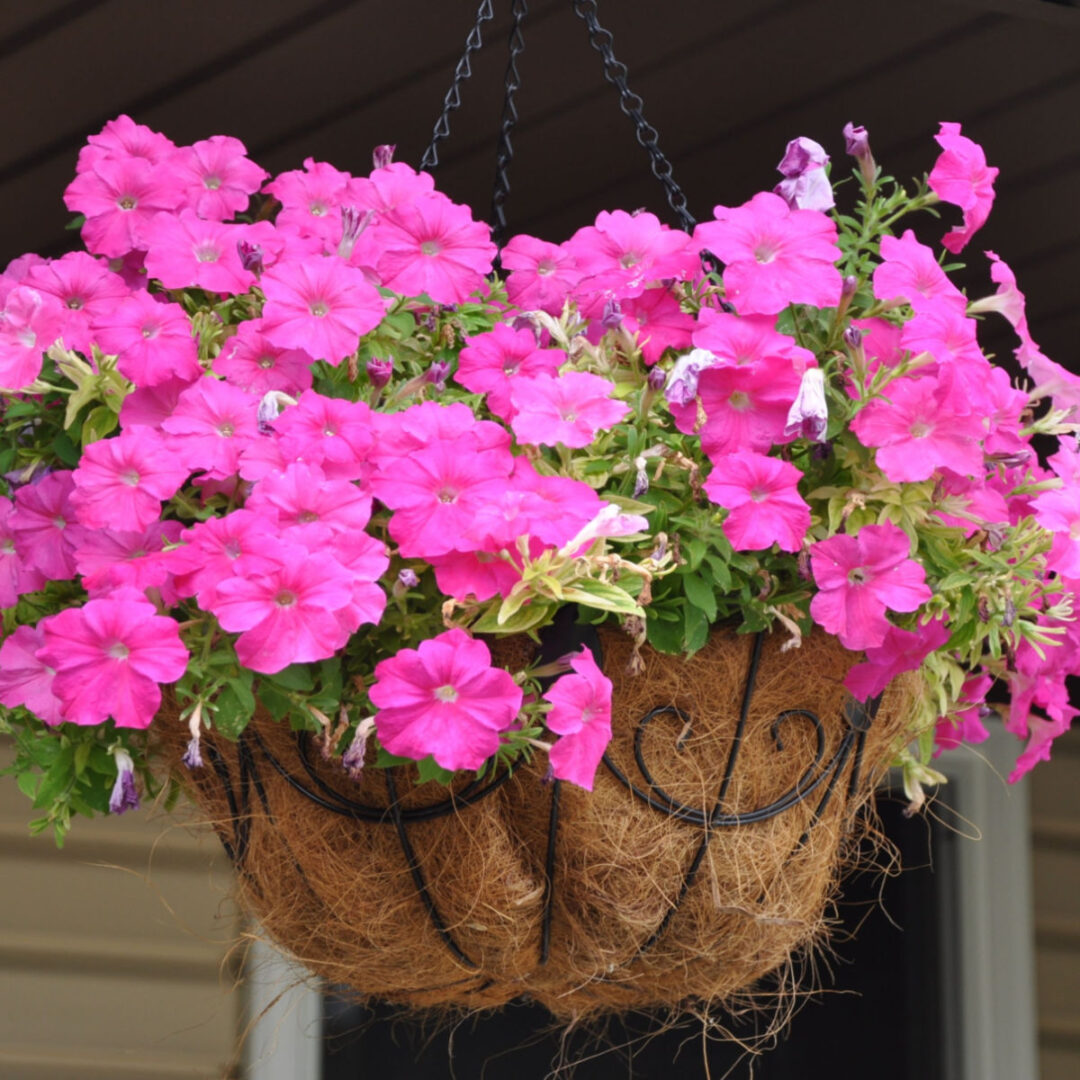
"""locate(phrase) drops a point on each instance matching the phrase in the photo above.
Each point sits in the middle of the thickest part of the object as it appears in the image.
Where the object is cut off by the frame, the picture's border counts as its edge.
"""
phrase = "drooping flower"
(683, 379)
(568, 409)
(321, 305)
(581, 714)
(961, 176)
(902, 650)
(444, 699)
(433, 247)
(26, 680)
(762, 495)
(121, 482)
(1009, 302)
(808, 417)
(859, 578)
(775, 256)
(109, 657)
(125, 795)
(965, 722)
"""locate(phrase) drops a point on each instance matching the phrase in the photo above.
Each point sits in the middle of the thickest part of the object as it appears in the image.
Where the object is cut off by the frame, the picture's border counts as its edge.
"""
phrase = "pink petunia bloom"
(29, 324)
(308, 507)
(150, 406)
(622, 253)
(860, 577)
(16, 575)
(123, 138)
(746, 408)
(569, 409)
(774, 256)
(961, 176)
(183, 250)
(240, 544)
(152, 340)
(902, 650)
(541, 275)
(741, 340)
(965, 723)
(216, 176)
(330, 432)
(252, 362)
(320, 305)
(121, 482)
(120, 198)
(437, 491)
(762, 495)
(1009, 302)
(108, 559)
(1059, 511)
(26, 680)
(44, 526)
(444, 699)
(924, 425)
(388, 187)
(287, 615)
(909, 271)
(492, 363)
(366, 560)
(109, 657)
(310, 200)
(210, 426)
(433, 247)
(948, 335)
(658, 322)
(84, 288)
(581, 714)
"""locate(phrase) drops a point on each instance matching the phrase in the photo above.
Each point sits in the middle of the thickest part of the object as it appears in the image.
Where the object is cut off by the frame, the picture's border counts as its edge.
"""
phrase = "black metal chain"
(505, 150)
(632, 105)
(452, 100)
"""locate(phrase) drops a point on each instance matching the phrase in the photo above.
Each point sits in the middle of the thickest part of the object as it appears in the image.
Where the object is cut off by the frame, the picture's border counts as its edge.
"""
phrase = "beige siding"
(116, 954)
(1055, 804)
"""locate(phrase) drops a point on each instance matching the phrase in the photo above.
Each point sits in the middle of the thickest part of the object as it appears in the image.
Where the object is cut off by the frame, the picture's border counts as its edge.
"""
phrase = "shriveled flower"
(806, 183)
(808, 416)
(444, 699)
(581, 714)
(124, 795)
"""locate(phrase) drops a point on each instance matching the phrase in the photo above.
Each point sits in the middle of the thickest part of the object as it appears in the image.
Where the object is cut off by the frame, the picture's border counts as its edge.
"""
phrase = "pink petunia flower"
(492, 363)
(774, 256)
(183, 250)
(961, 176)
(741, 340)
(762, 495)
(121, 482)
(17, 576)
(309, 507)
(310, 200)
(432, 246)
(330, 432)
(216, 176)
(902, 650)
(44, 527)
(925, 425)
(26, 680)
(287, 615)
(320, 305)
(541, 275)
(152, 340)
(109, 559)
(909, 271)
(581, 714)
(444, 699)
(29, 324)
(109, 657)
(210, 426)
(568, 409)
(1009, 302)
(859, 578)
(150, 406)
(657, 321)
(120, 197)
(123, 138)
(965, 723)
(252, 362)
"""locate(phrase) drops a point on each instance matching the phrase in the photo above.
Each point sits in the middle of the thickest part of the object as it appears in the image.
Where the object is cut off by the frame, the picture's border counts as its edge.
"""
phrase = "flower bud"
(657, 378)
(353, 223)
(612, 316)
(853, 337)
(408, 579)
(641, 481)
(353, 758)
(251, 256)
(437, 374)
(383, 155)
(857, 144)
(192, 758)
(808, 416)
(379, 371)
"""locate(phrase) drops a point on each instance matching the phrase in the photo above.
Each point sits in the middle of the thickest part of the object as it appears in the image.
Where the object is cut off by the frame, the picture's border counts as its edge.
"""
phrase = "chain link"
(505, 149)
(452, 100)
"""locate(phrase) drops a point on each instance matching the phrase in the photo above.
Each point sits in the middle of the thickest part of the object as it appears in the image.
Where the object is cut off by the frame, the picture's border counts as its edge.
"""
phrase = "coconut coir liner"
(625, 930)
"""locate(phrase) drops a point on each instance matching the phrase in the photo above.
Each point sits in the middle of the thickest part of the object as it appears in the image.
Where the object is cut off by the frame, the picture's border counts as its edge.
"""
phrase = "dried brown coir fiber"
(712, 872)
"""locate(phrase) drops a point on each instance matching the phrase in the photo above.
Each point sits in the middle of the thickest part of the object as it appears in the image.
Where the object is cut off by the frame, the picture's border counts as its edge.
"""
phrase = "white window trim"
(987, 941)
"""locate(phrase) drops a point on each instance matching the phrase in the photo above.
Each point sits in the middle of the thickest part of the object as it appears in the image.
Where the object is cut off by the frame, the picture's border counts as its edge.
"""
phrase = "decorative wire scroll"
(303, 777)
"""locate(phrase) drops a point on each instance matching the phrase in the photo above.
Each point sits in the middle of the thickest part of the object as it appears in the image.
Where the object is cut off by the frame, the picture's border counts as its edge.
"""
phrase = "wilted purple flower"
(806, 184)
(808, 416)
(251, 256)
(124, 795)
(353, 223)
(193, 754)
(353, 758)
(383, 155)
(379, 371)
(612, 316)
(682, 383)
(657, 378)
(641, 481)
(437, 374)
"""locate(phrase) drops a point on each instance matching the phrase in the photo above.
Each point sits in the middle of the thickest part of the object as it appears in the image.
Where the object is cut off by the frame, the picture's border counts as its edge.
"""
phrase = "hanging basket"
(705, 857)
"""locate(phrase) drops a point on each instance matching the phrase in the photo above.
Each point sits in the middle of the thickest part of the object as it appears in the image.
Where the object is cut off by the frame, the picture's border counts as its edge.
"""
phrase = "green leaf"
(700, 593)
(695, 551)
(28, 784)
(277, 703)
(665, 637)
(100, 422)
(231, 713)
(385, 760)
(696, 628)
(429, 769)
(720, 572)
(241, 690)
(65, 449)
(294, 677)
